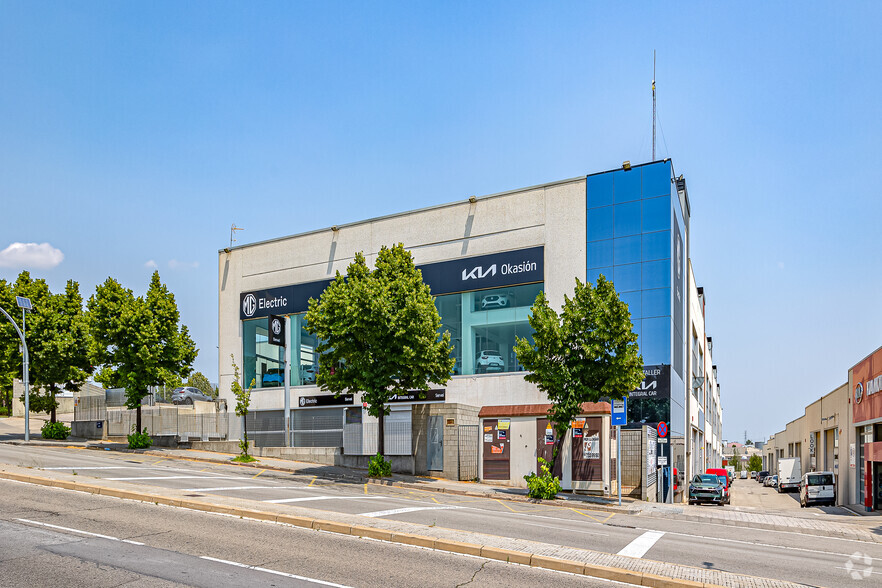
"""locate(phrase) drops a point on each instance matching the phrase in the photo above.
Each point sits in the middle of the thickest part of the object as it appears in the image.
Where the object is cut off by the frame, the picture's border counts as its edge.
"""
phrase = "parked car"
(771, 481)
(307, 373)
(743, 474)
(706, 488)
(273, 378)
(189, 394)
(760, 476)
(496, 301)
(723, 475)
(752, 474)
(817, 488)
(489, 361)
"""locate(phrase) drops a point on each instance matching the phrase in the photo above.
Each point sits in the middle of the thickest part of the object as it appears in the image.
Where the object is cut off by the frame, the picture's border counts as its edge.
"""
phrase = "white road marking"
(276, 572)
(91, 468)
(219, 488)
(639, 546)
(383, 513)
(305, 498)
(177, 478)
(78, 531)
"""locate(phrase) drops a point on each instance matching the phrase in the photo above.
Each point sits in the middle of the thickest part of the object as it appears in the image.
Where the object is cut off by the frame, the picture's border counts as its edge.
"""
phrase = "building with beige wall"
(485, 259)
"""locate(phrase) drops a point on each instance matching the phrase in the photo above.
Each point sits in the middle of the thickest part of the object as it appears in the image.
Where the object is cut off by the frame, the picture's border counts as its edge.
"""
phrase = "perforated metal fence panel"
(467, 451)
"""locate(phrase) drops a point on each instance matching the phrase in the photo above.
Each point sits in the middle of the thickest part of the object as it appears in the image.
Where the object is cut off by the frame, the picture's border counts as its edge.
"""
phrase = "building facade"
(485, 260)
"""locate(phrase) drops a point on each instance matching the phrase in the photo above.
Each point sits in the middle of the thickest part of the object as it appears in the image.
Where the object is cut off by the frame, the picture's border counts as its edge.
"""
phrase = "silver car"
(189, 394)
(496, 301)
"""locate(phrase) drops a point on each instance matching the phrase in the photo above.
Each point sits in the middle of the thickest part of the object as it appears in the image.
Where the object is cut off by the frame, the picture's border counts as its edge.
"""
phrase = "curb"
(494, 553)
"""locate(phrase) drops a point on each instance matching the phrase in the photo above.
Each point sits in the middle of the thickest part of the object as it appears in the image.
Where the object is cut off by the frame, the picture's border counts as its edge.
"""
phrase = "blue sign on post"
(620, 412)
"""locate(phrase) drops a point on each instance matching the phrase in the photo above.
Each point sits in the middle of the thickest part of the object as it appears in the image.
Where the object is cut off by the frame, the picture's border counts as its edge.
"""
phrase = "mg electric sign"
(496, 270)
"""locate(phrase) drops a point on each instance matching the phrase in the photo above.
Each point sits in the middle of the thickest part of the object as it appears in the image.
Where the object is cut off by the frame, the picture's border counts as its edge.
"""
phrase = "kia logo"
(249, 305)
(858, 393)
(478, 273)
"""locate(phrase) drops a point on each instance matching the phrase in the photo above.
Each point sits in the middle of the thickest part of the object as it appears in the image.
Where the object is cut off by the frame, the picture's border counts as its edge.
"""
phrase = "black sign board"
(325, 400)
(276, 329)
(656, 383)
(509, 268)
(651, 401)
(420, 396)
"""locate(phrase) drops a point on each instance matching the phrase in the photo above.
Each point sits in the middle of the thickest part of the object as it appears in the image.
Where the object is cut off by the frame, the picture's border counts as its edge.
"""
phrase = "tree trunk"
(555, 453)
(245, 432)
(138, 419)
(381, 434)
(52, 414)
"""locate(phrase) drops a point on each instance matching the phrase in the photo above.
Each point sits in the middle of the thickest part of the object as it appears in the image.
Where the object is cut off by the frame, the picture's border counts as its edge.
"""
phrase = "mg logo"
(478, 273)
(277, 326)
(858, 393)
(249, 305)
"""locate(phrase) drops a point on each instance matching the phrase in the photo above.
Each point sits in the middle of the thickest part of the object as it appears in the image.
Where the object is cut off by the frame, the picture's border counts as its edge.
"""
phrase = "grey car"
(189, 394)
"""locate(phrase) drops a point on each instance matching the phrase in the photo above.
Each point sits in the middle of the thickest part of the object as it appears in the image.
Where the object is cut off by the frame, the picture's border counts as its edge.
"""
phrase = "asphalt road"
(48, 537)
(808, 559)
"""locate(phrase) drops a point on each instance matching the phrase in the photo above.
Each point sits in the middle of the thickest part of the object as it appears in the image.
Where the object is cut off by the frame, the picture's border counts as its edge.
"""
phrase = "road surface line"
(565, 529)
(176, 478)
(505, 505)
(586, 515)
(257, 474)
(92, 468)
(276, 572)
(306, 498)
(383, 513)
(78, 531)
(639, 546)
(219, 488)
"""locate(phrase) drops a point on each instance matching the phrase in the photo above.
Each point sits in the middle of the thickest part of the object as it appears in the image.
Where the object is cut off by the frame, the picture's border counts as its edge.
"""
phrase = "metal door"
(435, 438)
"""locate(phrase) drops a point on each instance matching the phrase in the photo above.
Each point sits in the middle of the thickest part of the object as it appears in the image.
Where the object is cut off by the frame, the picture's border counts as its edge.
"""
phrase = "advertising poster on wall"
(549, 437)
(591, 447)
(502, 435)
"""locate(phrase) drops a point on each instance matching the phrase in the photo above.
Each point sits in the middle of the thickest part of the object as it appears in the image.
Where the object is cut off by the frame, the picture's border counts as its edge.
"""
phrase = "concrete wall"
(553, 215)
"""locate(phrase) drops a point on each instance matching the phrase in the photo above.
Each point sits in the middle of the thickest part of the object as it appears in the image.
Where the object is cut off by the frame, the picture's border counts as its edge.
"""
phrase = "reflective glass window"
(657, 302)
(626, 185)
(657, 274)
(593, 274)
(261, 362)
(656, 245)
(627, 219)
(305, 362)
(599, 190)
(656, 180)
(656, 338)
(627, 277)
(633, 300)
(600, 253)
(502, 298)
(450, 309)
(626, 250)
(600, 223)
(657, 214)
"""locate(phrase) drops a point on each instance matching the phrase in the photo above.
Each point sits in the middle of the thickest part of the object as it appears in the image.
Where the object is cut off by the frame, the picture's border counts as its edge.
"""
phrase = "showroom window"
(265, 363)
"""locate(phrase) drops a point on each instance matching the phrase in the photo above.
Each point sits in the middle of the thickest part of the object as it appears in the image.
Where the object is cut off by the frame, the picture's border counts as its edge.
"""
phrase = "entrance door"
(435, 450)
(877, 485)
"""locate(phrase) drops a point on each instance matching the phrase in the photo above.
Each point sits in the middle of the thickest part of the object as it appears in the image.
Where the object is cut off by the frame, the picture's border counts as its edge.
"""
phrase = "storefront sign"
(508, 268)
(866, 380)
(276, 329)
(420, 396)
(656, 383)
(325, 400)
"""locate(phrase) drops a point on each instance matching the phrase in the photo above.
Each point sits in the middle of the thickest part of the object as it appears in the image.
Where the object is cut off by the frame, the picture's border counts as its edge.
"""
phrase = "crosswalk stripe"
(383, 513)
(639, 546)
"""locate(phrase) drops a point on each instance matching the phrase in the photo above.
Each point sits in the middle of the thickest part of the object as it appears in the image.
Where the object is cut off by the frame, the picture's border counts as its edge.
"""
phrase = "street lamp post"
(24, 304)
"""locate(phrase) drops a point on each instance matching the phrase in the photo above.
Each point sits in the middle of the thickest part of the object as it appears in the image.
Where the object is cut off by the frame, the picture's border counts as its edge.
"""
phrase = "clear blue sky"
(133, 135)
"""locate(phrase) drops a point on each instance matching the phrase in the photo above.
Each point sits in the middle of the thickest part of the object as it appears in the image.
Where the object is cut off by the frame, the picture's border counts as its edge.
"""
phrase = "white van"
(817, 488)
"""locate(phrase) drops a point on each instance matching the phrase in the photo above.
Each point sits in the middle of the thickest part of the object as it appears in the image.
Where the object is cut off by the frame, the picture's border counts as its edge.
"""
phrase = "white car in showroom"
(489, 361)
(496, 301)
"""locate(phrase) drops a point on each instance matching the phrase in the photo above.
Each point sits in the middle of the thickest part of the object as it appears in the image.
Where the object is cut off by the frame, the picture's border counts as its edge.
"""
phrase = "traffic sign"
(619, 412)
(662, 429)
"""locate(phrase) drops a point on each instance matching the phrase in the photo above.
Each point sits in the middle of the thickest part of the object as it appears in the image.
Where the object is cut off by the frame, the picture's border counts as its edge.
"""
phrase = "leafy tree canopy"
(754, 463)
(199, 381)
(379, 332)
(586, 353)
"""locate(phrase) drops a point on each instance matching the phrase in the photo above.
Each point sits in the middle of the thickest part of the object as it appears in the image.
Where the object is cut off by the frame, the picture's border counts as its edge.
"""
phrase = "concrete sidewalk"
(632, 570)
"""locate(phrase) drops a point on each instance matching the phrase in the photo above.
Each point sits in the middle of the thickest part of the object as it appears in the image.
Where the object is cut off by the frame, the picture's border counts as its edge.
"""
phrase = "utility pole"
(653, 105)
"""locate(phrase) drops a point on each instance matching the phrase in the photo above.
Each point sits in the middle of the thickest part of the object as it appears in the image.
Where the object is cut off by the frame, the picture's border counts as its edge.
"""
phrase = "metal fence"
(168, 420)
(361, 438)
(467, 451)
(89, 408)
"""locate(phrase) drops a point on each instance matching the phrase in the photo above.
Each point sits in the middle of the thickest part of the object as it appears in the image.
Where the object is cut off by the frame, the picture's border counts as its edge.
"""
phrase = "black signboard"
(276, 328)
(656, 383)
(650, 403)
(420, 396)
(325, 400)
(509, 268)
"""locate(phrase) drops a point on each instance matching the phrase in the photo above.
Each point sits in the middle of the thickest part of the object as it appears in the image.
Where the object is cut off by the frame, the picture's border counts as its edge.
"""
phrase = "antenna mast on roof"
(653, 105)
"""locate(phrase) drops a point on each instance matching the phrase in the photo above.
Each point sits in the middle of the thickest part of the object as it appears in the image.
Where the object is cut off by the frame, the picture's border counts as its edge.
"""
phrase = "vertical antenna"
(233, 230)
(653, 105)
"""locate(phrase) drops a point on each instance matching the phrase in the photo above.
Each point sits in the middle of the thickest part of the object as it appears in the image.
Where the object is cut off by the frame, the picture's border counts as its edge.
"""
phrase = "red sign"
(866, 388)
(662, 429)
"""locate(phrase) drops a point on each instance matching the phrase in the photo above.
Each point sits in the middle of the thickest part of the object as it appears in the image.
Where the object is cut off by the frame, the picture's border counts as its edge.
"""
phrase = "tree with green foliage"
(199, 381)
(586, 353)
(137, 340)
(754, 463)
(243, 401)
(379, 333)
(59, 348)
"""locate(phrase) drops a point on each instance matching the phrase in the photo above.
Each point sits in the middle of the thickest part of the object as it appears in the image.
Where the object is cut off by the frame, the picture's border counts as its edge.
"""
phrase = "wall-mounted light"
(335, 228)
(226, 249)
(626, 165)
(472, 199)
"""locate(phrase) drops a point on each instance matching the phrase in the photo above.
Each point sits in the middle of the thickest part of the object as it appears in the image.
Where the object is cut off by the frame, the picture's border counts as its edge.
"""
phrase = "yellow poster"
(503, 425)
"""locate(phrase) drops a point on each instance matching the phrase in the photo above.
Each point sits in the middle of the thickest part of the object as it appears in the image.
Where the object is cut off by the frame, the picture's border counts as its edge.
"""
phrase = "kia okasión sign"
(866, 388)
(496, 270)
